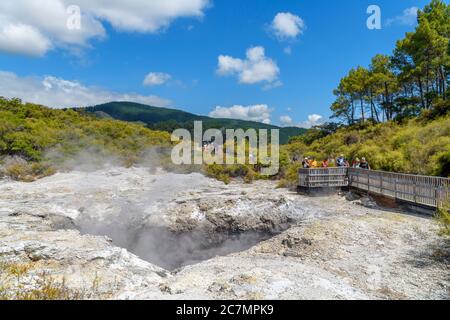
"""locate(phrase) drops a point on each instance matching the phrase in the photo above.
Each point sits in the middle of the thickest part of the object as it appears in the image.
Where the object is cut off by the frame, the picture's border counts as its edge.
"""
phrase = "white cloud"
(313, 120)
(254, 69)
(60, 93)
(407, 18)
(156, 78)
(272, 85)
(24, 39)
(287, 26)
(286, 121)
(47, 20)
(258, 113)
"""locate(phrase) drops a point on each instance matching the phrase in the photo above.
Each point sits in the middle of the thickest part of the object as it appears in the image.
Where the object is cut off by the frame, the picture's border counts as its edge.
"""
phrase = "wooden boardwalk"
(422, 190)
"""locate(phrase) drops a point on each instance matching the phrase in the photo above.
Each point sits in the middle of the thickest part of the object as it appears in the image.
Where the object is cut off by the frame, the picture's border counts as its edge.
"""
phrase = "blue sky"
(112, 58)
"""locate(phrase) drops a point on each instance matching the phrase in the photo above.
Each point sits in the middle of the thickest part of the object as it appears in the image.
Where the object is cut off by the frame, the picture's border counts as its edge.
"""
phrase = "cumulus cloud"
(286, 121)
(313, 120)
(287, 26)
(254, 69)
(44, 23)
(60, 93)
(24, 39)
(156, 78)
(407, 18)
(258, 113)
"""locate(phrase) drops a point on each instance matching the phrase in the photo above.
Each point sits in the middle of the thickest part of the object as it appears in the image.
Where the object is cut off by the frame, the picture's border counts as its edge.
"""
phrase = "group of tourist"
(341, 161)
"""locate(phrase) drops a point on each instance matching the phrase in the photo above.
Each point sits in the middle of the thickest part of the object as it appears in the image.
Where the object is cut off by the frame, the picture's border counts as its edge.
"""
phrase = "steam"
(137, 207)
(166, 248)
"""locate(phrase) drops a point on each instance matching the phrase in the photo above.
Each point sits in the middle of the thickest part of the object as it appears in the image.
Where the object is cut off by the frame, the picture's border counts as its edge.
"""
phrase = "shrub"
(290, 177)
(226, 172)
(18, 282)
(419, 146)
(50, 138)
(21, 170)
(443, 217)
(443, 167)
(351, 139)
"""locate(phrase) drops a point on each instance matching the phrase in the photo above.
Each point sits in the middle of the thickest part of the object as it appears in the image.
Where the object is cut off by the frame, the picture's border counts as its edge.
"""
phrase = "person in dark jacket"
(341, 161)
(305, 163)
(364, 164)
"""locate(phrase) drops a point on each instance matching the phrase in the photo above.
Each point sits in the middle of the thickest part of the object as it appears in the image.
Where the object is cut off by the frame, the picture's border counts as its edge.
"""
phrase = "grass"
(19, 281)
(443, 217)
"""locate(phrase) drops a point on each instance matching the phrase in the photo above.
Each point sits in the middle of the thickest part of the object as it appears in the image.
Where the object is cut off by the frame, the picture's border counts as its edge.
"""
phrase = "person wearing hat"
(340, 162)
(364, 164)
(305, 163)
(356, 163)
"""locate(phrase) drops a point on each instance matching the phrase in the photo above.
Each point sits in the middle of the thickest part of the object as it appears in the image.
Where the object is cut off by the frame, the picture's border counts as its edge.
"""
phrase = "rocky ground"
(136, 234)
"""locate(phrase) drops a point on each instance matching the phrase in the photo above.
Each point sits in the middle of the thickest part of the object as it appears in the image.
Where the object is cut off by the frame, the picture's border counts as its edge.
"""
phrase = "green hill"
(35, 140)
(165, 119)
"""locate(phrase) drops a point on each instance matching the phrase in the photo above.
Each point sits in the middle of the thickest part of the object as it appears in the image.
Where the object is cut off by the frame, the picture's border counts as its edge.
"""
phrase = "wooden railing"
(424, 190)
(323, 177)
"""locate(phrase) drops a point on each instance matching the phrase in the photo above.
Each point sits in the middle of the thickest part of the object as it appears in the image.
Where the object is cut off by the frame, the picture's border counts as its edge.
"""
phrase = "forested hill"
(165, 119)
(35, 140)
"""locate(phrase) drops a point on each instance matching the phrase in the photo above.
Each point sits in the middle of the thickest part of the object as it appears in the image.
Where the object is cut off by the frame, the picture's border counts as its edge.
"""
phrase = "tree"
(384, 83)
(413, 79)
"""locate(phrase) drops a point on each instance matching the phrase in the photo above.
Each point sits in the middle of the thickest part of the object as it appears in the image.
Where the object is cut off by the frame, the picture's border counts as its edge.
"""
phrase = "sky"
(273, 61)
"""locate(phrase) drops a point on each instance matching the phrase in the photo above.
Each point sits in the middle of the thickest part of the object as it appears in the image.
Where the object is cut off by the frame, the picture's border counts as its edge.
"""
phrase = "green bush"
(419, 146)
(443, 217)
(226, 172)
(21, 170)
(55, 137)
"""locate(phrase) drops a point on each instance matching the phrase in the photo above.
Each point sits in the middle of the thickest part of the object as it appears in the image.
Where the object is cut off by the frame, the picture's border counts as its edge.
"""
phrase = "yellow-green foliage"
(18, 283)
(418, 146)
(27, 171)
(443, 216)
(226, 172)
(36, 134)
(290, 176)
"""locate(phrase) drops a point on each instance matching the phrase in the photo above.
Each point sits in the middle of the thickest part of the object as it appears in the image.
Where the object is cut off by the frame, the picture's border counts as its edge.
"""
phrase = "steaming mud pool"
(142, 234)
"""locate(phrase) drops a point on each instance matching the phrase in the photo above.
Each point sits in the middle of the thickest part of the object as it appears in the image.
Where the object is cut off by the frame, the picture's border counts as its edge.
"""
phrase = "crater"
(174, 250)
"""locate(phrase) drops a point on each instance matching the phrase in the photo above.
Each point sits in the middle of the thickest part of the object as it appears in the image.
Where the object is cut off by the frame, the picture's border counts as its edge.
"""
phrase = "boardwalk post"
(415, 191)
(395, 187)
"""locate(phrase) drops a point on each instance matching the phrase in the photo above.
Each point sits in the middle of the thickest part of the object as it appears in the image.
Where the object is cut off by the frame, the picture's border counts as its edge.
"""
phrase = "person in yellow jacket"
(313, 163)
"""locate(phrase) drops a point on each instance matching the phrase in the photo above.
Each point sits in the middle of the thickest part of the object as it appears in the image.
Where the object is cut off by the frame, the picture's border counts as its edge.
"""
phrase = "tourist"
(325, 163)
(356, 163)
(305, 163)
(340, 161)
(364, 164)
(332, 162)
